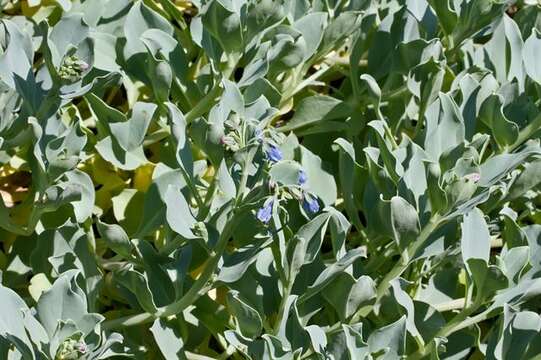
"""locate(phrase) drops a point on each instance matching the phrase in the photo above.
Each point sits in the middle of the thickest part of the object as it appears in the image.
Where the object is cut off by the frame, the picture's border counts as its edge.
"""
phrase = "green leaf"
(168, 339)
(320, 180)
(178, 214)
(154, 207)
(312, 27)
(115, 238)
(529, 178)
(519, 332)
(236, 264)
(404, 222)
(444, 127)
(514, 262)
(436, 194)
(248, 319)
(475, 241)
(178, 130)
(130, 134)
(17, 57)
(331, 272)
(498, 166)
(69, 32)
(447, 17)
(491, 113)
(286, 172)
(222, 20)
(390, 339)
(487, 279)
(139, 19)
(339, 29)
(425, 82)
(263, 15)
(82, 208)
(64, 301)
(312, 234)
(356, 347)
(405, 301)
(348, 294)
(373, 89)
(532, 46)
(314, 110)
(507, 40)
(347, 166)
(474, 16)
(12, 322)
(121, 138)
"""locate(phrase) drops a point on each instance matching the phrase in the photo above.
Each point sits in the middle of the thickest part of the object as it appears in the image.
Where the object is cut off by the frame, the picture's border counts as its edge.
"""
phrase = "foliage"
(270, 179)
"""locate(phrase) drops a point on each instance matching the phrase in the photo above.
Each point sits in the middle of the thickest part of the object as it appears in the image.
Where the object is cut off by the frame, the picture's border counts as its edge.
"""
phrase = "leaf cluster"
(270, 179)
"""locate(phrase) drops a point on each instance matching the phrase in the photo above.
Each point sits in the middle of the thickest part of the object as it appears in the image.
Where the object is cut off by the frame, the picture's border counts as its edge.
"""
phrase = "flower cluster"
(218, 174)
(71, 349)
(72, 68)
(241, 133)
(308, 201)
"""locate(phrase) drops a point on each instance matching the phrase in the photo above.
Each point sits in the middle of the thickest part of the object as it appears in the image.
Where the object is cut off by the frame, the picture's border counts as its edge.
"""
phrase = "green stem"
(300, 85)
(304, 83)
(195, 290)
(245, 174)
(399, 268)
(277, 259)
(172, 245)
(420, 121)
(411, 250)
(211, 190)
(446, 331)
(281, 310)
(450, 305)
(204, 105)
(231, 65)
(395, 93)
(126, 321)
(287, 277)
(344, 61)
(459, 322)
(156, 136)
(387, 129)
(227, 353)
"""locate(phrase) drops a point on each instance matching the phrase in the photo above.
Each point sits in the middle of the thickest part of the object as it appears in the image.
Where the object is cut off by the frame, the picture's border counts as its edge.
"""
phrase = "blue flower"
(310, 204)
(264, 214)
(302, 177)
(274, 154)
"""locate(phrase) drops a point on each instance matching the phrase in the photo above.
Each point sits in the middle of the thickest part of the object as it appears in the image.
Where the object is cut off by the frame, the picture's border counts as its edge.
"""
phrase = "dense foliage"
(270, 179)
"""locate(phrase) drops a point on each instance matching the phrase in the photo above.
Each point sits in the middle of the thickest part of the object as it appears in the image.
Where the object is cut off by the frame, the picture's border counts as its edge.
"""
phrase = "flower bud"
(310, 204)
